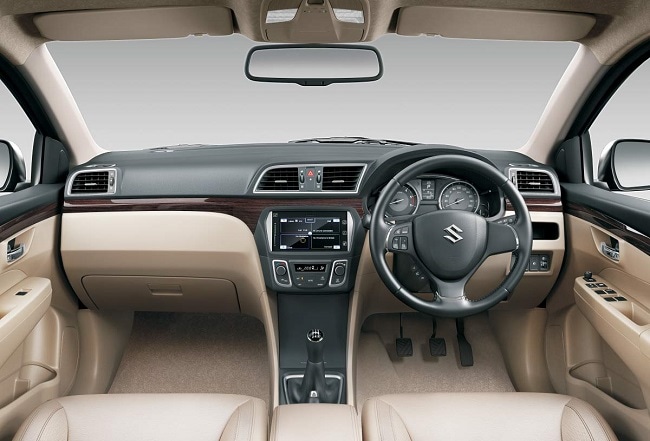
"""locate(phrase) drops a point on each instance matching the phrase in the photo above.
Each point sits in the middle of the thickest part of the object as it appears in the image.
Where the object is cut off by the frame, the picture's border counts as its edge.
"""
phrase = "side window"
(18, 131)
(625, 116)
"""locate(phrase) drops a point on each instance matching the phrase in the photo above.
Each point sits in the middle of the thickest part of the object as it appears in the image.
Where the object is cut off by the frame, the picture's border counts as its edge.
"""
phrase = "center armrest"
(316, 422)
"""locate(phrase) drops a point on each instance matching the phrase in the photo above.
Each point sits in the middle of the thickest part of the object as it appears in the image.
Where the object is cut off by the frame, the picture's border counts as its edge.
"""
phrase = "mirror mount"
(623, 165)
(357, 63)
(12, 166)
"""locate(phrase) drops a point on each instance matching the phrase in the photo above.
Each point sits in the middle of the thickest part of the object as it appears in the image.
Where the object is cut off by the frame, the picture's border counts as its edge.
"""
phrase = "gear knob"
(315, 345)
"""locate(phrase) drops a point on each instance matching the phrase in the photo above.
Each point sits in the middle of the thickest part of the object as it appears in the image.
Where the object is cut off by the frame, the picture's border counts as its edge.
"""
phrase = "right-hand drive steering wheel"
(450, 245)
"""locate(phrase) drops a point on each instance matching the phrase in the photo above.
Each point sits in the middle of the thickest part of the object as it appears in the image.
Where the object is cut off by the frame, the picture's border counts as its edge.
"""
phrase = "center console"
(309, 257)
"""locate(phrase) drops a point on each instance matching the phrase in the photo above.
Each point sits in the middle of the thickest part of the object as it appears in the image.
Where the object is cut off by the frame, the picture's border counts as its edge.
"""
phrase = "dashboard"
(304, 207)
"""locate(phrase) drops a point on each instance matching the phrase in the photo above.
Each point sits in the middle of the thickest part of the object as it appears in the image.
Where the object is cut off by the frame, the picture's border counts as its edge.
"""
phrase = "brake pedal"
(403, 346)
(437, 346)
(464, 348)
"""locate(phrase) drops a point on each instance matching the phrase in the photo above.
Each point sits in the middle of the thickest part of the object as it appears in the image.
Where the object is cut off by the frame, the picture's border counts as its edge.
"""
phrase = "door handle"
(610, 252)
(15, 253)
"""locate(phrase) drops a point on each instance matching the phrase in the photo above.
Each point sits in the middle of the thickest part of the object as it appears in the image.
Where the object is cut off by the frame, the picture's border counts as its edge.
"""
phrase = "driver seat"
(482, 416)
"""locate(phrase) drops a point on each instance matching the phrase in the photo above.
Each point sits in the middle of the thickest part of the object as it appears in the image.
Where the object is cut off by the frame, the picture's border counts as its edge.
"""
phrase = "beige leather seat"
(148, 417)
(482, 416)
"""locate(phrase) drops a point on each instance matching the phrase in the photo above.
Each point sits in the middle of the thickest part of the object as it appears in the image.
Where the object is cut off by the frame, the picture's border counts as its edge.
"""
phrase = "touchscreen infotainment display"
(303, 231)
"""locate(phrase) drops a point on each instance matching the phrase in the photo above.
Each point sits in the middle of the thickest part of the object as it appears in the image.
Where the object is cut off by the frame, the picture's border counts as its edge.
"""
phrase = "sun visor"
(494, 24)
(134, 24)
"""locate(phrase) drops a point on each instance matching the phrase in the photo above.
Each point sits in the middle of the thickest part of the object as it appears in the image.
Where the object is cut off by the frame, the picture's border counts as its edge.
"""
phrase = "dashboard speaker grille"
(93, 182)
(279, 179)
(341, 178)
(533, 181)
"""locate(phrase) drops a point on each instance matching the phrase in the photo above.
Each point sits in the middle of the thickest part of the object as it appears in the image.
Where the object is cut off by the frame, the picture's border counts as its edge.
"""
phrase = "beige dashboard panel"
(130, 24)
(495, 24)
(162, 258)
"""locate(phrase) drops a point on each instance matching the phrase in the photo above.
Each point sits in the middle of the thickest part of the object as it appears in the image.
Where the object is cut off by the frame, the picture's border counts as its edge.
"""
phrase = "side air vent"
(279, 179)
(93, 182)
(341, 178)
(533, 181)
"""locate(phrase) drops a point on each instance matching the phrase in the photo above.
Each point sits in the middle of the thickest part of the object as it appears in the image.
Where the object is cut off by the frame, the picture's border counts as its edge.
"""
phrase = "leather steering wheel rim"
(454, 257)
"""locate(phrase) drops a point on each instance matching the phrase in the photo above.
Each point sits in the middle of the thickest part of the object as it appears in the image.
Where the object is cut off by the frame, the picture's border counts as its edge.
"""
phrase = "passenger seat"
(148, 417)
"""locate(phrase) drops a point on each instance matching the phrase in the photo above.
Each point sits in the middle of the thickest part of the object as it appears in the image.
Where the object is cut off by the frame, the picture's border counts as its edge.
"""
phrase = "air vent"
(279, 179)
(533, 181)
(93, 182)
(341, 178)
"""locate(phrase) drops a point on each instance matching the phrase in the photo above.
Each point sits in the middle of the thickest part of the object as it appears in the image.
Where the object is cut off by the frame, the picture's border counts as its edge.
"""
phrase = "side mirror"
(12, 166)
(624, 165)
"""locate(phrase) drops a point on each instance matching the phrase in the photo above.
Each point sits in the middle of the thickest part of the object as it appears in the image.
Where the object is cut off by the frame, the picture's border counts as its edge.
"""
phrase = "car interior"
(324, 219)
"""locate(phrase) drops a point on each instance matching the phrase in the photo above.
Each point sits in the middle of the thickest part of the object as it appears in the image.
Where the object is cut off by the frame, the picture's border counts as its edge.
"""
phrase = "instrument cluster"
(438, 192)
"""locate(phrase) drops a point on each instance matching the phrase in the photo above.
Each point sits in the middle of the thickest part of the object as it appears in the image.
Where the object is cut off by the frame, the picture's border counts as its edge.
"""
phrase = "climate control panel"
(310, 275)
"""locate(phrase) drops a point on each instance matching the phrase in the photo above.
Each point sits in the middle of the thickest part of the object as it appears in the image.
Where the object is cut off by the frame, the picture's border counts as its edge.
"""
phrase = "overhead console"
(312, 249)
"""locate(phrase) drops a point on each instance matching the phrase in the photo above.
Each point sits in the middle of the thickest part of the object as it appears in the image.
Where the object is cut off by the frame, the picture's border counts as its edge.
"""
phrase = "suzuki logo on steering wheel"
(454, 235)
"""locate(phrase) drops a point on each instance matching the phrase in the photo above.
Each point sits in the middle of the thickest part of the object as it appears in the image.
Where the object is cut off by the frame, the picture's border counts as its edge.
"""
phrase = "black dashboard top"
(232, 170)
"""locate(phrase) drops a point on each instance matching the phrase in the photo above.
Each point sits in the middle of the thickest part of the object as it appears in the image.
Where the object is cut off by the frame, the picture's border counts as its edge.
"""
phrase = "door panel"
(39, 344)
(595, 341)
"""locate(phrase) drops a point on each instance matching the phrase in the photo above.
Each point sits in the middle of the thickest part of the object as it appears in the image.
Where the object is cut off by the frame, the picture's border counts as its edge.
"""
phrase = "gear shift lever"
(314, 387)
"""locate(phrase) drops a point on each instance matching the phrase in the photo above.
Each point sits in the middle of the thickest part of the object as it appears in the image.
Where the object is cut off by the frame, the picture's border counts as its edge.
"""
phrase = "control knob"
(280, 270)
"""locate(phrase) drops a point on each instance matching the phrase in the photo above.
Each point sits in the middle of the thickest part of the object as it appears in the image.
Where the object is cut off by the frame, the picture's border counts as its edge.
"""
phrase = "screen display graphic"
(306, 232)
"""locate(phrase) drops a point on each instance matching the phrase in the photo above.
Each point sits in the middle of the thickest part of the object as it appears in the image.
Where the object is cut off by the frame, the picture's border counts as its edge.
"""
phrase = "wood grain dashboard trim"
(248, 210)
(547, 205)
(615, 227)
(28, 219)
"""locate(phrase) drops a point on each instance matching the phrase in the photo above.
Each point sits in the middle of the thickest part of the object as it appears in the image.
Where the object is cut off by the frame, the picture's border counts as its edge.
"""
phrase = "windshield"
(469, 93)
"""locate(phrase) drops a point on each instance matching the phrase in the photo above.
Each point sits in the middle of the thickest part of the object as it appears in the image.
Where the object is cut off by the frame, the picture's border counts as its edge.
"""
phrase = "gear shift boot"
(314, 386)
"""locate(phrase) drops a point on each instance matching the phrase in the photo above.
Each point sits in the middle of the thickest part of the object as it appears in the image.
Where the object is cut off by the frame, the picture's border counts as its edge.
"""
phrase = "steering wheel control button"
(281, 273)
(339, 273)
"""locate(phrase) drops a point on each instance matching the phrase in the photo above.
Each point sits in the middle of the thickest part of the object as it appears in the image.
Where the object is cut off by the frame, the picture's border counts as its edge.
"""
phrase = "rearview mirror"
(624, 165)
(314, 65)
(12, 166)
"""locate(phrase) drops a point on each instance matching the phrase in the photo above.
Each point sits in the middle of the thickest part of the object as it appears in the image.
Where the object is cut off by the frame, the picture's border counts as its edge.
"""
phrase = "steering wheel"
(450, 245)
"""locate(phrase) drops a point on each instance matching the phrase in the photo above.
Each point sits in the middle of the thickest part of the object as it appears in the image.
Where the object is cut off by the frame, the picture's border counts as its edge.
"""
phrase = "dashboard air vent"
(279, 179)
(533, 181)
(341, 178)
(93, 182)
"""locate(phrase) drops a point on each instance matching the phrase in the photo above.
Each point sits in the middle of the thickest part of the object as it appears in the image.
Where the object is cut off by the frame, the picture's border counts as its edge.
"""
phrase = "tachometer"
(404, 202)
(459, 195)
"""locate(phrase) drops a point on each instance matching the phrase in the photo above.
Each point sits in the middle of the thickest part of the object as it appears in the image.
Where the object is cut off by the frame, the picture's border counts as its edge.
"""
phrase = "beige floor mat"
(170, 352)
(380, 371)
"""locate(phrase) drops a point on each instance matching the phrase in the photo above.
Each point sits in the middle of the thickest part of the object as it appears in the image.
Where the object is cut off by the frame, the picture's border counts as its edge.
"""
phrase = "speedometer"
(459, 195)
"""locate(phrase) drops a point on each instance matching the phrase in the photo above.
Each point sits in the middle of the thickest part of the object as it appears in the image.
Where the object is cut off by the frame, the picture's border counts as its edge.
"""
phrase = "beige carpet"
(380, 371)
(169, 352)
